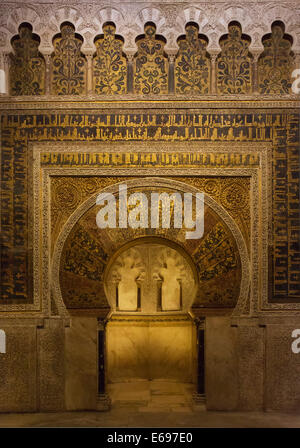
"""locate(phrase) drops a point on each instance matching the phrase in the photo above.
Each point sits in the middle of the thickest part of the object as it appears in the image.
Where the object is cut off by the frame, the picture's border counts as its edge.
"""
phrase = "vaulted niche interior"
(150, 276)
(150, 284)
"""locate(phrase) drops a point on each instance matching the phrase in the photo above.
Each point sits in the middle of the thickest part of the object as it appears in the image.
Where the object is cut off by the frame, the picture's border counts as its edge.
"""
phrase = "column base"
(198, 401)
(103, 403)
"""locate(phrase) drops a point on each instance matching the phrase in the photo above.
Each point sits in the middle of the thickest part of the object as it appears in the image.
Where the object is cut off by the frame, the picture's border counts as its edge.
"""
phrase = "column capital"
(47, 58)
(130, 57)
(171, 53)
(199, 322)
(89, 55)
(213, 55)
(171, 58)
(102, 321)
(256, 54)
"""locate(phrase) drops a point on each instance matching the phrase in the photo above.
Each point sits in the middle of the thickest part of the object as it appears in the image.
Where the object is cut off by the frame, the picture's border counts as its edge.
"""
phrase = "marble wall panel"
(221, 373)
(81, 364)
(150, 350)
(170, 351)
(51, 365)
(250, 355)
(18, 368)
(282, 370)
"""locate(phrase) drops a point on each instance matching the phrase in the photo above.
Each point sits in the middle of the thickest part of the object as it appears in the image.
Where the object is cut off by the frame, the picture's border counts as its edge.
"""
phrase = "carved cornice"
(167, 317)
(129, 102)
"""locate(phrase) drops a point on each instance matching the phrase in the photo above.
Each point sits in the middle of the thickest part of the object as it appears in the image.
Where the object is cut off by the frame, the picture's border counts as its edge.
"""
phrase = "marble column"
(130, 74)
(213, 72)
(116, 284)
(103, 400)
(255, 87)
(199, 396)
(89, 58)
(47, 58)
(4, 65)
(159, 295)
(171, 87)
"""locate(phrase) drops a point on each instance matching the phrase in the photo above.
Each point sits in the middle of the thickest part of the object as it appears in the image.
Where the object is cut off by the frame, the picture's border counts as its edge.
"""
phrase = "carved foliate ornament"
(27, 69)
(192, 64)
(109, 64)
(276, 63)
(150, 64)
(68, 64)
(234, 63)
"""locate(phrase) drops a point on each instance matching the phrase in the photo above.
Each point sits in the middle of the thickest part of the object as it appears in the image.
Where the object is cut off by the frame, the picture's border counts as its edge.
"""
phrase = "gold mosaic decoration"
(192, 64)
(234, 63)
(88, 249)
(68, 64)
(69, 192)
(232, 194)
(150, 65)
(109, 64)
(27, 68)
(275, 64)
(281, 129)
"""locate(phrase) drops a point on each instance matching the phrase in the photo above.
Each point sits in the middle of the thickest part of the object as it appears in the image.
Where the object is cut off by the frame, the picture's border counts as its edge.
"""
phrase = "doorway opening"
(151, 337)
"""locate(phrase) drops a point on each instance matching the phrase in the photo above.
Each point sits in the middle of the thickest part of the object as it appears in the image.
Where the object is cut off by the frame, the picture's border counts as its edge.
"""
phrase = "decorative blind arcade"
(151, 71)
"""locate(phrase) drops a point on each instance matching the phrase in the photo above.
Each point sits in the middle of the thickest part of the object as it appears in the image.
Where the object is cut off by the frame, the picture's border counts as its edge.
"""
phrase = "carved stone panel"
(150, 64)
(68, 63)
(192, 64)
(88, 249)
(27, 68)
(234, 73)
(109, 63)
(276, 63)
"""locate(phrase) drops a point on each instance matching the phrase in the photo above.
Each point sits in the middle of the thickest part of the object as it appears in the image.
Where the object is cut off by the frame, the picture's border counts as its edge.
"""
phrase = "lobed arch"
(149, 182)
(150, 15)
(212, 54)
(205, 29)
(129, 21)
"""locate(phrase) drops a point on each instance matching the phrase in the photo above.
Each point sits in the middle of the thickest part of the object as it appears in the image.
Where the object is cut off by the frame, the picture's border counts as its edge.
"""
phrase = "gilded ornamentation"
(276, 63)
(150, 65)
(68, 64)
(88, 249)
(216, 243)
(110, 65)
(225, 191)
(216, 260)
(192, 64)
(68, 192)
(27, 70)
(234, 196)
(61, 133)
(234, 63)
(256, 16)
(66, 196)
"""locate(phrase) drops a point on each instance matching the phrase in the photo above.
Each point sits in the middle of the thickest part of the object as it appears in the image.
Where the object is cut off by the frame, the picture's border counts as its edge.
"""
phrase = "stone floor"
(152, 396)
(152, 404)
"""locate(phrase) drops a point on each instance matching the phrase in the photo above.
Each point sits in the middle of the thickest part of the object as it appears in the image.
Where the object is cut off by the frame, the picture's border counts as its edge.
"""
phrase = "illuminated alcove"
(137, 298)
(150, 285)
(151, 276)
